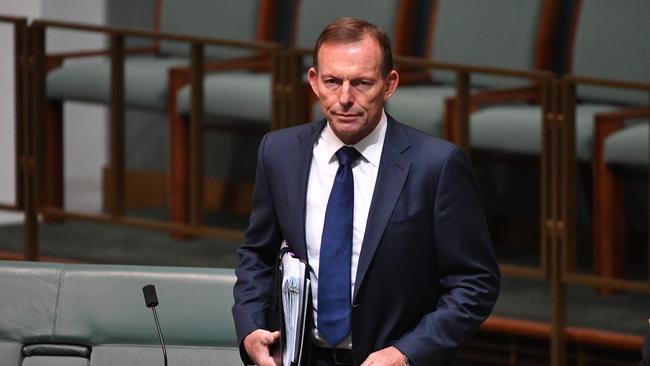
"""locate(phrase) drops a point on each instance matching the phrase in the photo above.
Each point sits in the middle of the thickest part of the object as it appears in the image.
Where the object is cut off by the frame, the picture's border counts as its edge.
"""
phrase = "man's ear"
(312, 76)
(392, 80)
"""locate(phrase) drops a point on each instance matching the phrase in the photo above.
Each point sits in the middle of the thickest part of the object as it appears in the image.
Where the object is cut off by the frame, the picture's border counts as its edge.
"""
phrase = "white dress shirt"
(324, 165)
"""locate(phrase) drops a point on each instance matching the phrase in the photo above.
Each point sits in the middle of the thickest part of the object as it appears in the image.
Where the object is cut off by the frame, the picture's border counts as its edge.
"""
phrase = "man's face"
(350, 87)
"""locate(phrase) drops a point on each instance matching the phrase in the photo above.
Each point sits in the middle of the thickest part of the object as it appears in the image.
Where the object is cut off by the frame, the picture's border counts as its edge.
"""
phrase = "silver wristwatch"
(407, 362)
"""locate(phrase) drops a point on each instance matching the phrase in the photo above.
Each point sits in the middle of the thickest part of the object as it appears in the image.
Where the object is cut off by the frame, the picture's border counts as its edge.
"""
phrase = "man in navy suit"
(422, 272)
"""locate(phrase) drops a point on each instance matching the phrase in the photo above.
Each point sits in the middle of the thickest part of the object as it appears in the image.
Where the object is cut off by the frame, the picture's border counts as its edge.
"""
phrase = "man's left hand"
(389, 356)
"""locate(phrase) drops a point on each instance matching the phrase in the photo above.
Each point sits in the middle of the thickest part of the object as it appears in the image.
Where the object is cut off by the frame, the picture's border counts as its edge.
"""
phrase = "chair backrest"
(611, 41)
(395, 17)
(236, 20)
(512, 34)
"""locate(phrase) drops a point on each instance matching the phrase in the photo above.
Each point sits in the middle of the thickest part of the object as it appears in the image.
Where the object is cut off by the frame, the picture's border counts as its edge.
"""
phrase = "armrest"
(623, 114)
(606, 123)
(259, 63)
(490, 97)
(248, 63)
(55, 60)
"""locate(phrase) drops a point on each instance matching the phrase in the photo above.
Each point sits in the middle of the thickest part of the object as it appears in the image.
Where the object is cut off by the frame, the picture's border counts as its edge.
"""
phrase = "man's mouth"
(346, 115)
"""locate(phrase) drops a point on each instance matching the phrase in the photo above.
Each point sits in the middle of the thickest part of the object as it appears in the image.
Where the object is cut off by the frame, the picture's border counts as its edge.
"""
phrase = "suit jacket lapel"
(393, 170)
(298, 192)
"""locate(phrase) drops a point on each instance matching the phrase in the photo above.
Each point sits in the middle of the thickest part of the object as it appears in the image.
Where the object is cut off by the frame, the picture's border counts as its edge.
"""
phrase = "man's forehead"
(360, 54)
(366, 41)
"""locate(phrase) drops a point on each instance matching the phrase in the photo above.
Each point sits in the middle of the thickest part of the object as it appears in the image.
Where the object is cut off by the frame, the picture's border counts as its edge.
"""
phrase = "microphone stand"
(162, 341)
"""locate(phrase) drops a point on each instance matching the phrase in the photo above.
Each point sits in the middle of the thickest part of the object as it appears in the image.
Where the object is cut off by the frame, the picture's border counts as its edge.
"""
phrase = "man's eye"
(330, 81)
(363, 83)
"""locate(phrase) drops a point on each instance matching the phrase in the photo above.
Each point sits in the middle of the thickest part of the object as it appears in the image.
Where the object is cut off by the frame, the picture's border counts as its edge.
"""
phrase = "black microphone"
(151, 299)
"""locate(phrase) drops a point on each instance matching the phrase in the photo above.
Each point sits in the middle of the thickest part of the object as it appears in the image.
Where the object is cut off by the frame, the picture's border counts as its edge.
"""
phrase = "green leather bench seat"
(628, 146)
(243, 95)
(70, 314)
(54, 361)
(518, 129)
(145, 81)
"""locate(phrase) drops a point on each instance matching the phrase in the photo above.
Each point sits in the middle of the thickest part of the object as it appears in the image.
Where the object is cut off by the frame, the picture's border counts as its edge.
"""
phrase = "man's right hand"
(258, 345)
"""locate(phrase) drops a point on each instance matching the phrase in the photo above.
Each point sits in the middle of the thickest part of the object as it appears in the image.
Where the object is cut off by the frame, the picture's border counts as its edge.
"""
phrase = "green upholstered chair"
(508, 34)
(607, 41)
(597, 51)
(153, 76)
(239, 100)
(95, 315)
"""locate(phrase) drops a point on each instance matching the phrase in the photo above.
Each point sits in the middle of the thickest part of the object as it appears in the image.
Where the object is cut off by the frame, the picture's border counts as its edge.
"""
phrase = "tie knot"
(347, 155)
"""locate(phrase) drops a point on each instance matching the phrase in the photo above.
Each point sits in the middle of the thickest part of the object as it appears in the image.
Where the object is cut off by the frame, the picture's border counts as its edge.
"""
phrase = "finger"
(275, 336)
(268, 338)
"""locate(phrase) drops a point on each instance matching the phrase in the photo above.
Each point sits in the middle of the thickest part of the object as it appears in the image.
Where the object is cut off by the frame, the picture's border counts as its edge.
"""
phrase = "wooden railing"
(117, 53)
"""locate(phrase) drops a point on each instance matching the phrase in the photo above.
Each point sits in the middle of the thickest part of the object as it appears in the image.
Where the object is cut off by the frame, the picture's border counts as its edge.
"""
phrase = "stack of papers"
(295, 295)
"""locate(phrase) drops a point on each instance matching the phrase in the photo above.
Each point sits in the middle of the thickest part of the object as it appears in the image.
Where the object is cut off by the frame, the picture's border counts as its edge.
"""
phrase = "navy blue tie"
(336, 253)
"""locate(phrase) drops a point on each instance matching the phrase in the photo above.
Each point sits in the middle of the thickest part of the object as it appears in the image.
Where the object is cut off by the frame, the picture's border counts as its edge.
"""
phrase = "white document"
(295, 294)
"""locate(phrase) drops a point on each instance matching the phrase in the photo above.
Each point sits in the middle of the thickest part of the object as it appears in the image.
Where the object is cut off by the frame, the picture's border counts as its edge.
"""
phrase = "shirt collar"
(369, 147)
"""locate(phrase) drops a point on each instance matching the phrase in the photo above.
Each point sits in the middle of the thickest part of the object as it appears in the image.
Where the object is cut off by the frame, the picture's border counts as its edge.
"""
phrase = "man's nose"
(345, 97)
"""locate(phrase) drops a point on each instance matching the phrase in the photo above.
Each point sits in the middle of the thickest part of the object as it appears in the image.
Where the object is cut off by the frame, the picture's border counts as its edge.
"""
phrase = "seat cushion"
(152, 356)
(420, 106)
(241, 95)
(518, 129)
(628, 146)
(55, 361)
(145, 81)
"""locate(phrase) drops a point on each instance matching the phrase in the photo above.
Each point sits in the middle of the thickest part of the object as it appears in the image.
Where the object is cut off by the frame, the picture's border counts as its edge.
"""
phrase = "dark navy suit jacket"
(426, 277)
